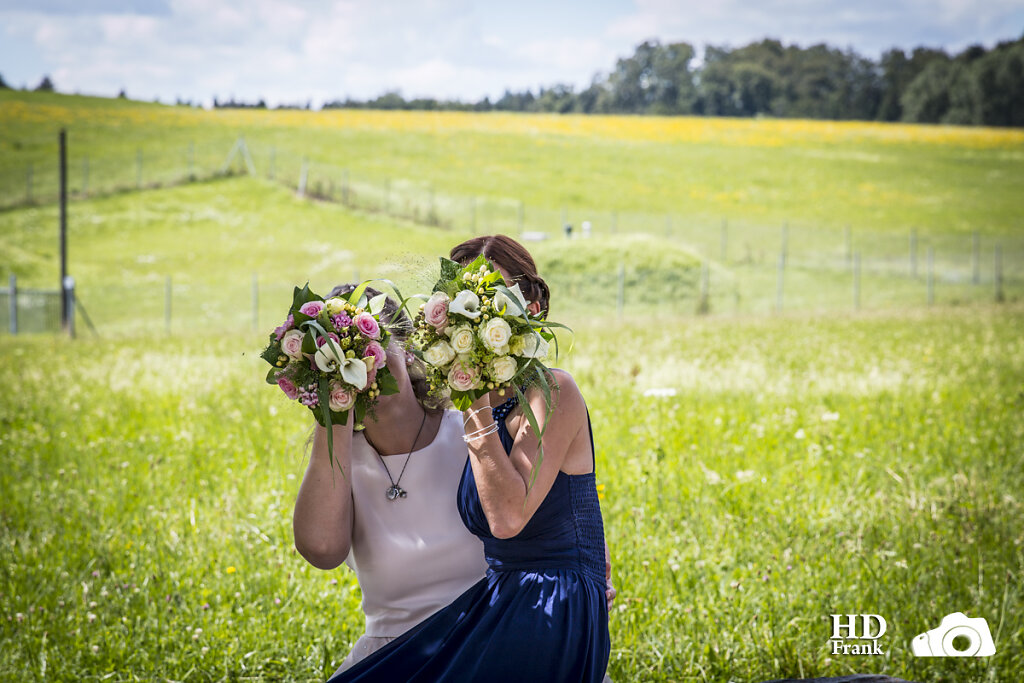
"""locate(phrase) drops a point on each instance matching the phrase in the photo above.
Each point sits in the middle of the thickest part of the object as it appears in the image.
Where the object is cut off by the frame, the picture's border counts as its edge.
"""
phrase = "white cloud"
(290, 50)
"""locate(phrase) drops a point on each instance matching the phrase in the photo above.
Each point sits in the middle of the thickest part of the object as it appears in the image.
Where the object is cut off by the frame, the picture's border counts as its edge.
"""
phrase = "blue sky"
(299, 50)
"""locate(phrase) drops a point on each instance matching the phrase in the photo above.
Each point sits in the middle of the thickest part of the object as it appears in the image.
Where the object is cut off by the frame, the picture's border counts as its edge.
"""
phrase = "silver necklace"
(395, 491)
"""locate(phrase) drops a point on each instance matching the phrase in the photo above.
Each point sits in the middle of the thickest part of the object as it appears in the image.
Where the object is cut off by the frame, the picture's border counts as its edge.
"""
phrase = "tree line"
(976, 86)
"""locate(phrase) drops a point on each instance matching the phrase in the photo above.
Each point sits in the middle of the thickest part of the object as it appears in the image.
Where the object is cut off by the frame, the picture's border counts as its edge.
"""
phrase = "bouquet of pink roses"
(331, 356)
(476, 335)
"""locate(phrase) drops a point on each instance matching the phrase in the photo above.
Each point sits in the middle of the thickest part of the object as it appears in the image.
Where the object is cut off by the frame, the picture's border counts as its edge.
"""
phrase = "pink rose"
(311, 308)
(367, 326)
(463, 377)
(291, 344)
(435, 311)
(380, 356)
(288, 387)
(320, 341)
(341, 398)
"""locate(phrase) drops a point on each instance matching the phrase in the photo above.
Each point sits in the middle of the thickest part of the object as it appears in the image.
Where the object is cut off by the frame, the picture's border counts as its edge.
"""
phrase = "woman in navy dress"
(540, 613)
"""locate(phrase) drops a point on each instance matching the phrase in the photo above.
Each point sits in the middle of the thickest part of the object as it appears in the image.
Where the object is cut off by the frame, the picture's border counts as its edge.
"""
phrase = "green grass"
(820, 175)
(212, 238)
(805, 467)
(808, 465)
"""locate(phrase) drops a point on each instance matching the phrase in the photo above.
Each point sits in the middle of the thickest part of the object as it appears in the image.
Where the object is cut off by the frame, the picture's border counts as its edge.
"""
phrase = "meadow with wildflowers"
(804, 467)
(758, 472)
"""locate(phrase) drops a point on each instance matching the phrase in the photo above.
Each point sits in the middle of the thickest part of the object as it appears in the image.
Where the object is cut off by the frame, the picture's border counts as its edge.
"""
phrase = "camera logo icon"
(957, 636)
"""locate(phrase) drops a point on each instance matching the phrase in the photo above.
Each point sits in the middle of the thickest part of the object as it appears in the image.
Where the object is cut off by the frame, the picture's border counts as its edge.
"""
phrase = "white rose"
(334, 305)
(466, 303)
(439, 354)
(505, 306)
(530, 345)
(291, 344)
(502, 368)
(495, 335)
(462, 339)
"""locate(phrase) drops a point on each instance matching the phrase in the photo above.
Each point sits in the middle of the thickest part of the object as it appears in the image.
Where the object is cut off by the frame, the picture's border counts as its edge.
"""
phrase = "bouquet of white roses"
(476, 335)
(331, 356)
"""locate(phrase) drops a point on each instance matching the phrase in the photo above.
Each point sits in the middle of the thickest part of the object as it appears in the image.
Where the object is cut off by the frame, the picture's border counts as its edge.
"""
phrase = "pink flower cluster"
(307, 396)
(288, 324)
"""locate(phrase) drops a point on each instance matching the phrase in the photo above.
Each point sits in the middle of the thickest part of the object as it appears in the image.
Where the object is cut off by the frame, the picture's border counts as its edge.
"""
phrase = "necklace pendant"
(395, 492)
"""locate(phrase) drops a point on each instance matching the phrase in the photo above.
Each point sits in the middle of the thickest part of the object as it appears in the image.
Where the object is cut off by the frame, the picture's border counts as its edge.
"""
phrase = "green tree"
(926, 99)
(45, 85)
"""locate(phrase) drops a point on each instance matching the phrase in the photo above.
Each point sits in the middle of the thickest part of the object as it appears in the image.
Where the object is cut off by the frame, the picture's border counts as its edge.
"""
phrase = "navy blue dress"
(539, 615)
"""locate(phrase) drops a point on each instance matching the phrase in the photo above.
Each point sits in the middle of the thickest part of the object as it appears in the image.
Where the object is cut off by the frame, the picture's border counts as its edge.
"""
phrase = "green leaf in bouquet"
(302, 296)
(387, 384)
(323, 392)
(376, 304)
(360, 409)
(272, 353)
(339, 417)
(272, 375)
(462, 400)
(309, 342)
(450, 270)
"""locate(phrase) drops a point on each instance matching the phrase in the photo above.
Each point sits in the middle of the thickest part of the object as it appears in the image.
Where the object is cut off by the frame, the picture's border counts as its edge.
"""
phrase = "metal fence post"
(724, 241)
(913, 252)
(703, 303)
(856, 281)
(69, 304)
(620, 299)
(976, 258)
(931, 275)
(303, 175)
(778, 282)
(13, 302)
(1000, 296)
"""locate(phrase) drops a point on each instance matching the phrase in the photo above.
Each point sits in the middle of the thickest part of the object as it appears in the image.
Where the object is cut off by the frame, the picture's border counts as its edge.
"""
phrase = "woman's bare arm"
(322, 519)
(511, 487)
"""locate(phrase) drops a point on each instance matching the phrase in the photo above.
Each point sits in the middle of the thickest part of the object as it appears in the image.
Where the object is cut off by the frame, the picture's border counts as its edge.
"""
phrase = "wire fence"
(728, 266)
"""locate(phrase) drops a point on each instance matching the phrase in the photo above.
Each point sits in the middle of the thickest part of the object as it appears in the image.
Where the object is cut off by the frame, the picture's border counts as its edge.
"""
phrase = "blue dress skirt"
(539, 615)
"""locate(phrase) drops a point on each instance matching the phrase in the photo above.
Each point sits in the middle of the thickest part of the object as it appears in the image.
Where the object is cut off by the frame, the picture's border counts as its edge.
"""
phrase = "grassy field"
(854, 462)
(820, 175)
(805, 467)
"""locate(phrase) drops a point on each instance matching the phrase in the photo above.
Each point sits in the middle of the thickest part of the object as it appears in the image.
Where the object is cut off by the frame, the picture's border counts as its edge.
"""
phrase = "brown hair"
(505, 252)
(401, 328)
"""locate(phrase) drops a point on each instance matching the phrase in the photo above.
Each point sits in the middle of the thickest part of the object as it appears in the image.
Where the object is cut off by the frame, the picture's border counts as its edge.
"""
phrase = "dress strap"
(502, 411)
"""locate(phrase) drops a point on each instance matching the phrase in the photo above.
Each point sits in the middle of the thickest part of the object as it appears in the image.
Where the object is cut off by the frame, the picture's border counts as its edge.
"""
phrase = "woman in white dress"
(393, 516)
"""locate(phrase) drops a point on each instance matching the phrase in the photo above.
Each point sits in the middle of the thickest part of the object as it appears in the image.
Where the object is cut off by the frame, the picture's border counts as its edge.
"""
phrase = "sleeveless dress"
(538, 615)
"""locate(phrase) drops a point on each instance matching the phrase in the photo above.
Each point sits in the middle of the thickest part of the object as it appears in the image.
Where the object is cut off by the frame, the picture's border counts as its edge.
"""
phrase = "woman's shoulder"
(565, 393)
